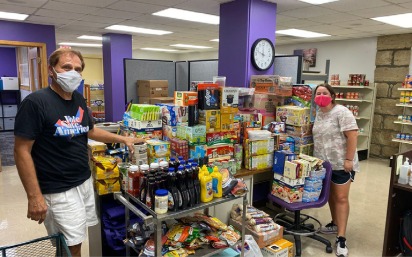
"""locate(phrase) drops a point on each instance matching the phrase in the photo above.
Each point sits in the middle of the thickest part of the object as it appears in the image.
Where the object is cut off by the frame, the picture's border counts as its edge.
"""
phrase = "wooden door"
(34, 68)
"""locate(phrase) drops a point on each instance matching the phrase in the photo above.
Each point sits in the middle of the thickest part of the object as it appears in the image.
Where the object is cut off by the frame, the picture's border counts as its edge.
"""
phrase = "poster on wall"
(309, 55)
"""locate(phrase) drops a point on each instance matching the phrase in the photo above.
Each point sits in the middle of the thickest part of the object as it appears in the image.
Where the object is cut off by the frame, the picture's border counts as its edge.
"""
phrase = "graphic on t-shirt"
(71, 126)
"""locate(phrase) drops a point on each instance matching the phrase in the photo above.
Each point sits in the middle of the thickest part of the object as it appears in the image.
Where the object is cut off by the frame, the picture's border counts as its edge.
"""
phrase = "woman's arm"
(351, 142)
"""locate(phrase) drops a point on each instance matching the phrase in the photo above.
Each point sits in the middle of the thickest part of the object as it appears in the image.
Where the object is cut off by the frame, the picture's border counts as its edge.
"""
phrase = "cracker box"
(181, 131)
(280, 248)
(299, 131)
(305, 149)
(229, 97)
(271, 84)
(145, 125)
(220, 151)
(157, 148)
(169, 132)
(262, 238)
(209, 96)
(227, 121)
(107, 186)
(228, 137)
(289, 181)
(152, 88)
(289, 194)
(259, 147)
(182, 97)
(210, 118)
(259, 162)
(293, 115)
(196, 135)
(96, 148)
(197, 151)
(303, 140)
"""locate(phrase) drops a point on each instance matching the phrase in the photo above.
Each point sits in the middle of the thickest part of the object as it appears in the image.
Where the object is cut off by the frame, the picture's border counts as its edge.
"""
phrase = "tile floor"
(368, 198)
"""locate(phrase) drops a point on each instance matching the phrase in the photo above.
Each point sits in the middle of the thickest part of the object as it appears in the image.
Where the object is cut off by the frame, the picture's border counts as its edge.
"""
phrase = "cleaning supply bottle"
(206, 190)
(403, 174)
(216, 182)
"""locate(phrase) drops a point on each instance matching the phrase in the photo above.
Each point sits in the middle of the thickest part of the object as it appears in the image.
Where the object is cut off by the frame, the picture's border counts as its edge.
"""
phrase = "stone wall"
(392, 64)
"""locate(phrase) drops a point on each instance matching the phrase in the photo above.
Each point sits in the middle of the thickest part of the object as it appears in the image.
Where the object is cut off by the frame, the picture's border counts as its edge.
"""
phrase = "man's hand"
(37, 209)
(131, 141)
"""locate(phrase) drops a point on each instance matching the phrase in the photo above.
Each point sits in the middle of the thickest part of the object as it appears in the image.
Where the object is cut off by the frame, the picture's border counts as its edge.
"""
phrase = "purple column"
(8, 63)
(241, 23)
(116, 47)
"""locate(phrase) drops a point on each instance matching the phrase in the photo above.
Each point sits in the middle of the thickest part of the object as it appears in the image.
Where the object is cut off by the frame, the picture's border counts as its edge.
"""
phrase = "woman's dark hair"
(329, 88)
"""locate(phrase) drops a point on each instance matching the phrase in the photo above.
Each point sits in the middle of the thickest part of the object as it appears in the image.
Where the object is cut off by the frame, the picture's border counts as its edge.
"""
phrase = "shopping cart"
(54, 245)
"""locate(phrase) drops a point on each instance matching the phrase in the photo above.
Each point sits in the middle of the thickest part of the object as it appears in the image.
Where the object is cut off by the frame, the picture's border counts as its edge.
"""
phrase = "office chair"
(295, 223)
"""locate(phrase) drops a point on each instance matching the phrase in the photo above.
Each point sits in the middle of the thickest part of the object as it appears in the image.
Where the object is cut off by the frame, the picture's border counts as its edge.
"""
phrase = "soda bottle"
(180, 177)
(189, 184)
(174, 196)
(154, 168)
(164, 167)
(196, 183)
(150, 193)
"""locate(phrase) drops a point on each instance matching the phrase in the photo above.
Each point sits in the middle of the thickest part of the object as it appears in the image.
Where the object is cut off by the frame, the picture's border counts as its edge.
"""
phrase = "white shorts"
(71, 212)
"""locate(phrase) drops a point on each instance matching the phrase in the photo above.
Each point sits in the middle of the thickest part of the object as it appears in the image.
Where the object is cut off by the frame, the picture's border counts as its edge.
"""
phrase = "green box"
(196, 135)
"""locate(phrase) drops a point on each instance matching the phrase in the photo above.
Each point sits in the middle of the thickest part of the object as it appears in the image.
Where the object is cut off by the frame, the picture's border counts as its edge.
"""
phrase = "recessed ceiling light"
(188, 16)
(215, 40)
(400, 20)
(301, 33)
(158, 49)
(79, 44)
(191, 46)
(13, 16)
(138, 30)
(90, 37)
(318, 1)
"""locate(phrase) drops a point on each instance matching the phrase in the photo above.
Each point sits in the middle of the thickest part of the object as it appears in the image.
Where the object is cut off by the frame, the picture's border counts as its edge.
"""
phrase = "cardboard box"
(95, 147)
(279, 160)
(157, 148)
(146, 124)
(155, 100)
(303, 140)
(289, 194)
(229, 97)
(197, 151)
(262, 238)
(271, 84)
(181, 131)
(169, 132)
(260, 147)
(193, 84)
(220, 151)
(227, 121)
(210, 118)
(196, 135)
(288, 181)
(182, 97)
(293, 115)
(259, 162)
(152, 88)
(227, 137)
(298, 131)
(280, 248)
(10, 83)
(179, 147)
(209, 96)
(264, 103)
(305, 149)
(107, 186)
(172, 114)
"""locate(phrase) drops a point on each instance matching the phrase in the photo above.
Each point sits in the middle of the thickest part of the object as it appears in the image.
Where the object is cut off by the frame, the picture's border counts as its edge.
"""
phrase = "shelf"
(181, 213)
(244, 172)
(353, 100)
(362, 118)
(402, 141)
(406, 187)
(354, 87)
(404, 89)
(403, 123)
(404, 105)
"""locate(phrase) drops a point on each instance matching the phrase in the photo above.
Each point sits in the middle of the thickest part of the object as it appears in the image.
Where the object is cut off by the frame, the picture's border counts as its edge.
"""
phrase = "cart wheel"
(329, 249)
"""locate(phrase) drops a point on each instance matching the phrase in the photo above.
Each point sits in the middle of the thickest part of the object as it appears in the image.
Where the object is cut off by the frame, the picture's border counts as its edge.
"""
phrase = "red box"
(179, 147)
(220, 151)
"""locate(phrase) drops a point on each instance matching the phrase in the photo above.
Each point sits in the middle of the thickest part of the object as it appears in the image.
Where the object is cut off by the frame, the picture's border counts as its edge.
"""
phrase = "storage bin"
(8, 123)
(9, 110)
(10, 83)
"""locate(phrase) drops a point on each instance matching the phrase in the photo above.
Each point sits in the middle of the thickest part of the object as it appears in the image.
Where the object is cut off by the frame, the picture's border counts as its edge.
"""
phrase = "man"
(51, 131)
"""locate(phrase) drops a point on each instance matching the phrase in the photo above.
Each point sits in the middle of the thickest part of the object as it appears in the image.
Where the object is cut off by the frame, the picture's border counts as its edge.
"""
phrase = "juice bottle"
(134, 180)
(181, 185)
(196, 183)
(174, 196)
(189, 184)
(217, 182)
(206, 190)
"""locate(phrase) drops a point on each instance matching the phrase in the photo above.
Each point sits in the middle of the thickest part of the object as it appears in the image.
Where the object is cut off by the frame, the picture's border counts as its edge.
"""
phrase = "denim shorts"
(341, 177)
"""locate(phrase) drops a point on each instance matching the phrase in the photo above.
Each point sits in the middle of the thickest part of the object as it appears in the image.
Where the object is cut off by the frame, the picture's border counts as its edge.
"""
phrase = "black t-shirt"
(59, 128)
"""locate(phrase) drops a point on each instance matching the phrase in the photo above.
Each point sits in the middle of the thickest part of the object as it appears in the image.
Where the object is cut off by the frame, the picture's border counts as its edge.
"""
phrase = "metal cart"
(54, 245)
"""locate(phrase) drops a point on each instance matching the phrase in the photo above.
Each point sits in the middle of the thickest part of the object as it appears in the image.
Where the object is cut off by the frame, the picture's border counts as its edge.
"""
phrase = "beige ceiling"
(344, 19)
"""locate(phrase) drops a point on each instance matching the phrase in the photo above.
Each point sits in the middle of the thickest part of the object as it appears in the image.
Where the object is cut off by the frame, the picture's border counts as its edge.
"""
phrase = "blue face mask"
(69, 80)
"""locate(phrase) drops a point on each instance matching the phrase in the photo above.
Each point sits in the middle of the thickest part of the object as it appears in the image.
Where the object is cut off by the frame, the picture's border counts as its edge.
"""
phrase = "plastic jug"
(216, 182)
(403, 174)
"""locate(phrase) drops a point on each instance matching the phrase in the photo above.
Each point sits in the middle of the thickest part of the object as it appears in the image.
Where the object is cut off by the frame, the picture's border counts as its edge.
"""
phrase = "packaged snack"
(182, 97)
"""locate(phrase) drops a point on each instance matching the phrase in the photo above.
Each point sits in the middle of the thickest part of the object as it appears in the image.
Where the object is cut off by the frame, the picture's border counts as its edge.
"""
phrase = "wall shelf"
(404, 105)
(353, 100)
(402, 141)
(403, 123)
(405, 89)
(354, 87)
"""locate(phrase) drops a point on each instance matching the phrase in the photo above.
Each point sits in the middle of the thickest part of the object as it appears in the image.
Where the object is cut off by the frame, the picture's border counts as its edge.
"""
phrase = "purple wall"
(241, 23)
(26, 32)
(116, 47)
(8, 62)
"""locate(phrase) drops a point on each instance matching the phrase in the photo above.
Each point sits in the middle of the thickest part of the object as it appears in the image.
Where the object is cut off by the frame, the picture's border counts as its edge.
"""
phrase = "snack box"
(181, 130)
(227, 121)
(228, 137)
(96, 148)
(210, 118)
(280, 248)
(169, 132)
(152, 88)
(305, 149)
(229, 97)
(259, 147)
(179, 147)
(259, 162)
(271, 84)
(293, 115)
(298, 131)
(144, 133)
(289, 194)
(220, 151)
(182, 97)
(209, 96)
(262, 238)
(279, 160)
(289, 181)
(107, 186)
(196, 135)
(172, 114)
(264, 103)
(158, 160)
(157, 148)
(197, 151)
(146, 124)
(105, 167)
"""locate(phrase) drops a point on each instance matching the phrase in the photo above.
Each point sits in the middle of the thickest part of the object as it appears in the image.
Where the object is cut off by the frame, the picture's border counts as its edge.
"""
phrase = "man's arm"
(37, 207)
(104, 136)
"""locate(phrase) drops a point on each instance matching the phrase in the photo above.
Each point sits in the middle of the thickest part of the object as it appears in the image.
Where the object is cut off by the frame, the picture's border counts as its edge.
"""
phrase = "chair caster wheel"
(329, 249)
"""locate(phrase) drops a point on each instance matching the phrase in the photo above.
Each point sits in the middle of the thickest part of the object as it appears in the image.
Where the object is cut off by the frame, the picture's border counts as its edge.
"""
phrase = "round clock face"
(263, 54)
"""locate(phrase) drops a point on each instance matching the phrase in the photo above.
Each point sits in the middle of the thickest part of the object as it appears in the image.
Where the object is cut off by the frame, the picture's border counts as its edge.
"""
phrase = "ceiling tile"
(116, 14)
(334, 18)
(48, 20)
(168, 3)
(354, 5)
(135, 7)
(285, 5)
(76, 8)
(356, 23)
(58, 14)
(209, 7)
(17, 9)
(27, 3)
(380, 27)
(398, 1)
(98, 25)
(407, 6)
(308, 12)
(96, 3)
(379, 11)
(299, 23)
(94, 18)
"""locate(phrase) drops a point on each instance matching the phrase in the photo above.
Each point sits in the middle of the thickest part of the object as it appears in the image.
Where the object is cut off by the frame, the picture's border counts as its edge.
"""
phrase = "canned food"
(403, 136)
(407, 137)
(356, 96)
(398, 136)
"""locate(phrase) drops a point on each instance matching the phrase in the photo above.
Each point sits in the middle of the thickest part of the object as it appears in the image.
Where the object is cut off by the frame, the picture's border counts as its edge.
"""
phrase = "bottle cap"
(172, 159)
(144, 167)
(134, 168)
(180, 157)
(163, 164)
(194, 164)
(161, 192)
(171, 169)
(154, 165)
(181, 167)
(188, 166)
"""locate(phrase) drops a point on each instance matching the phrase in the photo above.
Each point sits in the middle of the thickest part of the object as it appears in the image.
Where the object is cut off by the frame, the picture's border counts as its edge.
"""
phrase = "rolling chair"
(295, 223)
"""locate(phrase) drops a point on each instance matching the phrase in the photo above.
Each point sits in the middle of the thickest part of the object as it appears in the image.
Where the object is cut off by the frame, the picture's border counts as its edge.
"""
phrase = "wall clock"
(263, 54)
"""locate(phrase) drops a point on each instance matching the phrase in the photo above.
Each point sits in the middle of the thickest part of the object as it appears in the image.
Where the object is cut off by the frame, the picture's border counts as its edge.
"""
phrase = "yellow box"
(95, 146)
(104, 167)
(226, 121)
(157, 148)
(210, 118)
(107, 186)
(280, 248)
(293, 115)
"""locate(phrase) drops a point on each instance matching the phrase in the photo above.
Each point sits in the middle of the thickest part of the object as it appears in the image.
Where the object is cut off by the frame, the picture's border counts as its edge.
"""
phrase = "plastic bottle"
(172, 162)
(206, 190)
(182, 187)
(164, 166)
(196, 183)
(174, 196)
(134, 180)
(216, 182)
(189, 183)
(154, 168)
(150, 200)
(143, 187)
(144, 169)
(161, 201)
(403, 174)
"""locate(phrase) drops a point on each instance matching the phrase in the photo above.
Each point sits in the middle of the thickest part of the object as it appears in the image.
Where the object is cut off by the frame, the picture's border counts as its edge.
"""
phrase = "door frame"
(43, 56)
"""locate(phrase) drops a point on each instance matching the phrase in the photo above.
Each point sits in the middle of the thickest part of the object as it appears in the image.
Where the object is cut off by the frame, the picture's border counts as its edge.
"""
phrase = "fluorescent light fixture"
(90, 37)
(400, 20)
(138, 30)
(158, 49)
(318, 1)
(215, 40)
(191, 46)
(301, 33)
(13, 16)
(79, 44)
(188, 16)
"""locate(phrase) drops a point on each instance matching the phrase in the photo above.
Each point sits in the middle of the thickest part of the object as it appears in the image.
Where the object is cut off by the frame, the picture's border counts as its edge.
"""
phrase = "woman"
(335, 136)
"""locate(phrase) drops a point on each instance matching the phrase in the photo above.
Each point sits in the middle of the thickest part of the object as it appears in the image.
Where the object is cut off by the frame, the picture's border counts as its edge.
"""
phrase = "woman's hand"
(348, 165)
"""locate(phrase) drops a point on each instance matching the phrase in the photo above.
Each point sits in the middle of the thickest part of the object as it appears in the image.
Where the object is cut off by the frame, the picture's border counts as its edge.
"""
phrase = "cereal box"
(169, 132)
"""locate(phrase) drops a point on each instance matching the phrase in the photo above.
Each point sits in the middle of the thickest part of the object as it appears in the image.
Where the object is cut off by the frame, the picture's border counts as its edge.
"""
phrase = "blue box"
(279, 160)
(1, 84)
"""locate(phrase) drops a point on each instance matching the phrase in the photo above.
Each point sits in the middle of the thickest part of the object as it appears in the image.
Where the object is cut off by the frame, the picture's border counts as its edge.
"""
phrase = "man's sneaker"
(341, 248)
(330, 228)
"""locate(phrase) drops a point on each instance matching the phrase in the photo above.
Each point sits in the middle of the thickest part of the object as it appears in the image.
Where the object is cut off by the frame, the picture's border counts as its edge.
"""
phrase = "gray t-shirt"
(329, 139)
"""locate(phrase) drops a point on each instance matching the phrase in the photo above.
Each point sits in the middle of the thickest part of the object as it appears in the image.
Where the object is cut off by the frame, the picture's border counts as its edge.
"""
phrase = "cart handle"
(148, 219)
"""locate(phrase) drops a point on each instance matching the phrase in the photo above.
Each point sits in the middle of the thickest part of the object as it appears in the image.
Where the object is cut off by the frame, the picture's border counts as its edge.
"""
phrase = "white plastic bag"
(251, 247)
